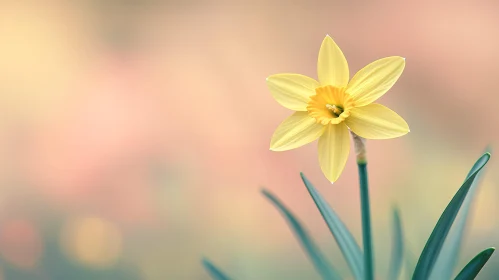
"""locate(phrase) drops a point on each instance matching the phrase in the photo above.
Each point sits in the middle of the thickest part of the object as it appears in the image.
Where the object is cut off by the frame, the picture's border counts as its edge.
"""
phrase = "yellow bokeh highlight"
(92, 241)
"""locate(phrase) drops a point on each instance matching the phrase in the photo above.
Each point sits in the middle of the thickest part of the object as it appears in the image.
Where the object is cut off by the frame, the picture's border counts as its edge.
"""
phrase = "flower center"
(337, 110)
(330, 105)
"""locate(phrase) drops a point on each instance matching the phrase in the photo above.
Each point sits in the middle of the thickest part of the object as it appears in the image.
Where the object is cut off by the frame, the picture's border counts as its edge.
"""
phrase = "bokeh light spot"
(20, 243)
(92, 241)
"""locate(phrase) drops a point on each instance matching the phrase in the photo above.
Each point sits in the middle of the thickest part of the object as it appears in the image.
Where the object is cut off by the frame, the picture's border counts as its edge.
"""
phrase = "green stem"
(366, 221)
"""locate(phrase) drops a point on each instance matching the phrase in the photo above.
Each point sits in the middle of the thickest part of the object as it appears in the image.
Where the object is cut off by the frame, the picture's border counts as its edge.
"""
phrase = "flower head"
(328, 108)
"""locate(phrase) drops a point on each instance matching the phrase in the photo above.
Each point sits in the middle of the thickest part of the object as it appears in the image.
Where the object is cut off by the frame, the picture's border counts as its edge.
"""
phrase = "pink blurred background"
(134, 135)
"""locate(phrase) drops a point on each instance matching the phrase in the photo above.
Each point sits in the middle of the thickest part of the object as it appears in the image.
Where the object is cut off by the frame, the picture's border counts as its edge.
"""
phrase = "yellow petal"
(292, 90)
(332, 67)
(297, 130)
(334, 146)
(374, 80)
(376, 121)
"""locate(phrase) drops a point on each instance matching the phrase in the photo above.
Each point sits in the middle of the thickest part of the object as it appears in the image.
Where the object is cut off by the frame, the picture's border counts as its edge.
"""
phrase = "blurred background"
(134, 135)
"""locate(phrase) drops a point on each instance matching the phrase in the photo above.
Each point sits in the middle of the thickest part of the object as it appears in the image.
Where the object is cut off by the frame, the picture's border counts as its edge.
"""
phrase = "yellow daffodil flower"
(328, 108)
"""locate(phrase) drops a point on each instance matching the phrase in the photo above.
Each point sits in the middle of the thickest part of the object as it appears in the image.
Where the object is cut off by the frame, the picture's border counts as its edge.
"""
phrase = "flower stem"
(366, 222)
(360, 149)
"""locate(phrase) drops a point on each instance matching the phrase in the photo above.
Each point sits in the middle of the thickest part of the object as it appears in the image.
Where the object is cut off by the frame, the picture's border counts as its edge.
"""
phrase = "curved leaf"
(471, 270)
(215, 273)
(321, 264)
(434, 244)
(446, 262)
(348, 246)
(397, 247)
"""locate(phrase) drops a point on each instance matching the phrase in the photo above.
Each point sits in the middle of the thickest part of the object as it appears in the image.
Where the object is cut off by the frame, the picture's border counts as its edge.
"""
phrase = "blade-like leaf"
(214, 272)
(471, 270)
(446, 262)
(325, 269)
(434, 244)
(397, 247)
(348, 246)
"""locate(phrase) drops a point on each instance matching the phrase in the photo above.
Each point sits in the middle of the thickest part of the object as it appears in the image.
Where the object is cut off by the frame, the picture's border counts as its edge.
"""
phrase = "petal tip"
(277, 149)
(328, 38)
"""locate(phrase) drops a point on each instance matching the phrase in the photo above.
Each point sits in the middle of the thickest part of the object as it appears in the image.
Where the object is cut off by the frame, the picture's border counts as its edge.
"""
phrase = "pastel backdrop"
(134, 135)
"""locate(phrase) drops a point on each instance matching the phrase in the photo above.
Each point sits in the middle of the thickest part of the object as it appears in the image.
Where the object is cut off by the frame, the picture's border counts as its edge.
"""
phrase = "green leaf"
(348, 246)
(213, 271)
(471, 270)
(446, 262)
(321, 264)
(397, 247)
(434, 244)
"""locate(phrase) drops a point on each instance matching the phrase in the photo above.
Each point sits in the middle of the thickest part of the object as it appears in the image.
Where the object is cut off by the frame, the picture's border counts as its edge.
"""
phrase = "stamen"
(335, 109)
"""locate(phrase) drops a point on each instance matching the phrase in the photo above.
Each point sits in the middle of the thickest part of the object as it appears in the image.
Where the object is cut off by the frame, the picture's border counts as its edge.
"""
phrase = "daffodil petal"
(292, 91)
(332, 67)
(297, 130)
(376, 121)
(374, 80)
(334, 146)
